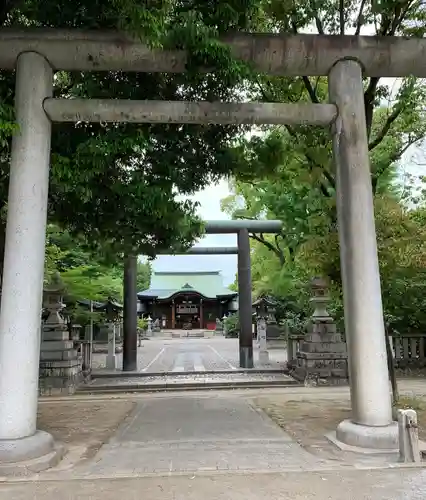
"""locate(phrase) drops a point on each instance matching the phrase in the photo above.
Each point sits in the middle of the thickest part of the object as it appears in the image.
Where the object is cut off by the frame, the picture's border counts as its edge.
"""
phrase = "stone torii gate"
(242, 228)
(36, 54)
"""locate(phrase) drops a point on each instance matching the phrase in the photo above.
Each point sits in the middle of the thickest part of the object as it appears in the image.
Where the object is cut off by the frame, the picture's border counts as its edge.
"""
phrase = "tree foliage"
(86, 276)
(301, 191)
(282, 265)
(117, 183)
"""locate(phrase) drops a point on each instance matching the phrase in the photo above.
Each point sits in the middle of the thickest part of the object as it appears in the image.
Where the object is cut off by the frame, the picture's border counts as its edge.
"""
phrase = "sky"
(209, 209)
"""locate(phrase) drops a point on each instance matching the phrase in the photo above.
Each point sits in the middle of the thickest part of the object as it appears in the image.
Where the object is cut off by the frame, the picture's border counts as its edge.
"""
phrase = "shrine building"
(187, 300)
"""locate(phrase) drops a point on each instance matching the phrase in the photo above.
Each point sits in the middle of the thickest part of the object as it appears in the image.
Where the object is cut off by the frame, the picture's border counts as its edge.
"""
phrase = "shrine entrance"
(36, 54)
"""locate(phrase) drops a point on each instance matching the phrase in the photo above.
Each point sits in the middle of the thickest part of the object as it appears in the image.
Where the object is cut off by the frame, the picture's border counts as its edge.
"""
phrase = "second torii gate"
(242, 228)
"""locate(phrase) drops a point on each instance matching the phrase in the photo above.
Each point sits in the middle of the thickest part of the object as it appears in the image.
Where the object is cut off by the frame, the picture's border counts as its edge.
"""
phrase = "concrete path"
(192, 355)
(216, 446)
(341, 485)
(189, 435)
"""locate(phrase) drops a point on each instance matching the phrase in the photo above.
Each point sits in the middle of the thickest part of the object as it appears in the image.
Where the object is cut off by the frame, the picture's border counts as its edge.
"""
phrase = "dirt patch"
(83, 423)
(309, 421)
(410, 372)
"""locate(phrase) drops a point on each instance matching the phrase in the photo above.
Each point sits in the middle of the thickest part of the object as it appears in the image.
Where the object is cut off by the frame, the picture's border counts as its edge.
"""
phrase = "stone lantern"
(322, 356)
(61, 368)
(320, 298)
(53, 304)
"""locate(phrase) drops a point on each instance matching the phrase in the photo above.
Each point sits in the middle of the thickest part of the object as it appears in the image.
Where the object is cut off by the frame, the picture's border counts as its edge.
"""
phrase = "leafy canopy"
(301, 189)
(86, 276)
(117, 183)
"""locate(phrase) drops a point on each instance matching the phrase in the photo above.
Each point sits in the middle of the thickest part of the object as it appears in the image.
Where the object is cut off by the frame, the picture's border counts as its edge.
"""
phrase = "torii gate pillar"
(22, 287)
(371, 425)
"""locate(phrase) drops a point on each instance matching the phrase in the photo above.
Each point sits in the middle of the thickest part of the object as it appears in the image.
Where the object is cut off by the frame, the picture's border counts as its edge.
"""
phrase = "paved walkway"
(337, 485)
(189, 435)
(193, 355)
(209, 432)
(216, 446)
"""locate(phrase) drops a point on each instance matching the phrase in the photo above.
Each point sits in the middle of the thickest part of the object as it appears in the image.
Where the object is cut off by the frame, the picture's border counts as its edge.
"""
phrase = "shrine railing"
(84, 350)
(408, 349)
(293, 345)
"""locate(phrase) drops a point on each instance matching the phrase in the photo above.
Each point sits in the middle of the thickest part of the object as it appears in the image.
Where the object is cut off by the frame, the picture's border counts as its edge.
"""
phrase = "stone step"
(173, 386)
(111, 374)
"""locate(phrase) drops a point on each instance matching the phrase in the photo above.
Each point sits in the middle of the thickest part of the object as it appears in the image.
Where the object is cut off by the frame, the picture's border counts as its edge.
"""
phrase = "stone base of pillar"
(263, 357)
(357, 438)
(322, 359)
(60, 377)
(61, 368)
(29, 455)
(111, 363)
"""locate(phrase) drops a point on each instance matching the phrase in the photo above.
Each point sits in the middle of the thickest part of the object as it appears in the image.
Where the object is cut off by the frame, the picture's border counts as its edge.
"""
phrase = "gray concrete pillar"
(130, 323)
(20, 316)
(371, 425)
(261, 336)
(111, 358)
(244, 298)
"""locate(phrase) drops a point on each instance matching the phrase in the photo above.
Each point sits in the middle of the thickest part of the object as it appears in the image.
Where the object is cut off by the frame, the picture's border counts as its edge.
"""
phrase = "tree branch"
(310, 89)
(329, 178)
(305, 79)
(277, 244)
(276, 250)
(390, 119)
(392, 160)
(312, 163)
(342, 16)
(400, 14)
(265, 96)
(369, 103)
(359, 19)
(318, 21)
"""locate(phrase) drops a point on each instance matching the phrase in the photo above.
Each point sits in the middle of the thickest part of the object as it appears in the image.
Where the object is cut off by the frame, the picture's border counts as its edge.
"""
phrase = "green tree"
(308, 245)
(302, 190)
(394, 120)
(117, 184)
(144, 275)
(85, 275)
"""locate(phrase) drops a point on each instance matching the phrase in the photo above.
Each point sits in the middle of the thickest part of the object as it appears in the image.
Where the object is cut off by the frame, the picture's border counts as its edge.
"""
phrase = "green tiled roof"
(164, 285)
